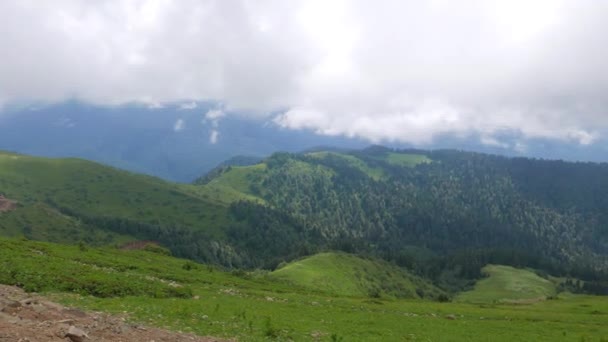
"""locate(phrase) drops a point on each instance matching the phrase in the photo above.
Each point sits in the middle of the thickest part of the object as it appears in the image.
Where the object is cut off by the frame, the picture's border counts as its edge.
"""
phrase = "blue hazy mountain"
(168, 142)
(175, 143)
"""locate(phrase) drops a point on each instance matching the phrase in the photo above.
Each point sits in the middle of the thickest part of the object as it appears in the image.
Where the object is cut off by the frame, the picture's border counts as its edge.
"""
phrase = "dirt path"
(6, 204)
(31, 318)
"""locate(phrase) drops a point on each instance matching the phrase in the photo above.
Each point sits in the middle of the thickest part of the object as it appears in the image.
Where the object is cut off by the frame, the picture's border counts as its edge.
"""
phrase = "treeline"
(259, 237)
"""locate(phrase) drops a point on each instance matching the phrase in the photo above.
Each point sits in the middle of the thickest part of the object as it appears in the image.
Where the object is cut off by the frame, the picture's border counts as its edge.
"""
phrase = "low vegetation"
(509, 285)
(347, 275)
(256, 307)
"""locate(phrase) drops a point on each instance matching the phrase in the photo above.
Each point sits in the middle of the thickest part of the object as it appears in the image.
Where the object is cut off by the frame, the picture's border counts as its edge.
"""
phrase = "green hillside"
(72, 200)
(509, 285)
(154, 289)
(347, 275)
(375, 173)
(442, 214)
(93, 189)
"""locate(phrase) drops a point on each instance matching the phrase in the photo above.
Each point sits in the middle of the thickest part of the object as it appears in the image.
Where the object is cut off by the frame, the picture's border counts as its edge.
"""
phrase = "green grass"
(259, 308)
(348, 275)
(375, 173)
(508, 284)
(96, 190)
(406, 159)
(233, 185)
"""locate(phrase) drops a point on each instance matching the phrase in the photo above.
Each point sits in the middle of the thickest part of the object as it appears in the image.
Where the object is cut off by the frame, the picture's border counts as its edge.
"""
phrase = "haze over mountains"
(181, 141)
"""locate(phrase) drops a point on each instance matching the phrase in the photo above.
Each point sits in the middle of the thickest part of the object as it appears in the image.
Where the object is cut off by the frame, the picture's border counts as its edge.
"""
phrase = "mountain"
(461, 208)
(442, 214)
(182, 141)
(172, 142)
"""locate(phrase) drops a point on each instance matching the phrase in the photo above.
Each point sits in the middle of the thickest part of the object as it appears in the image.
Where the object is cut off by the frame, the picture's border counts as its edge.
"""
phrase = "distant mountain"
(178, 142)
(169, 142)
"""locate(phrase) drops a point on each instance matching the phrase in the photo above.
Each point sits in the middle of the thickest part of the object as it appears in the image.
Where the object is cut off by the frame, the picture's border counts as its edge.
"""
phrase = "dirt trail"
(7, 204)
(31, 318)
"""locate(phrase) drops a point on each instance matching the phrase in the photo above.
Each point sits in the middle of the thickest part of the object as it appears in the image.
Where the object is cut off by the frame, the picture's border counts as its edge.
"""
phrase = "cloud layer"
(404, 71)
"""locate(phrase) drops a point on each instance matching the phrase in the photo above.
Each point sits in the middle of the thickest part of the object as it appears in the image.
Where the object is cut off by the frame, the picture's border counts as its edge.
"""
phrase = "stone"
(76, 334)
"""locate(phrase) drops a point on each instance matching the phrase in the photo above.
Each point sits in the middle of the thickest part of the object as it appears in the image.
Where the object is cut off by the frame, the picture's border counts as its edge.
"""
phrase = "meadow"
(160, 290)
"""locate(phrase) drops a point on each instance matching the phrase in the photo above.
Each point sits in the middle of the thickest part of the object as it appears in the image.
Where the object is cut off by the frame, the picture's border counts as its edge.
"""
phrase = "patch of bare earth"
(31, 318)
(7, 204)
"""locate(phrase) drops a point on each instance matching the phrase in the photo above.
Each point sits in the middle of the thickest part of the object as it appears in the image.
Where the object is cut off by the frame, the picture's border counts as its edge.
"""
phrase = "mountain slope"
(508, 284)
(72, 200)
(153, 289)
(347, 275)
(469, 208)
(443, 214)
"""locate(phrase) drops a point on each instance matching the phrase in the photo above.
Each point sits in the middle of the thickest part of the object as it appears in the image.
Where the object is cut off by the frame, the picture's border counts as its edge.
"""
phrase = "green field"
(509, 285)
(98, 191)
(347, 275)
(376, 173)
(406, 159)
(181, 295)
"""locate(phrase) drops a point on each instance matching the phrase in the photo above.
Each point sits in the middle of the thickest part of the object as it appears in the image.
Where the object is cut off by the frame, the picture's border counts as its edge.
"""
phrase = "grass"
(232, 185)
(406, 159)
(348, 275)
(259, 308)
(376, 173)
(96, 190)
(509, 285)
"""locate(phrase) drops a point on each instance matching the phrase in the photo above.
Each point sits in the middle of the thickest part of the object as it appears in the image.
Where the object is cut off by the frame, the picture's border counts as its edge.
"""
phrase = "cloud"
(215, 114)
(405, 71)
(179, 125)
(214, 136)
(188, 106)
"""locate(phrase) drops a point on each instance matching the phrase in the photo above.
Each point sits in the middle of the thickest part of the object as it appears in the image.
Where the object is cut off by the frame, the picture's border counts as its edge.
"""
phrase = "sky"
(385, 71)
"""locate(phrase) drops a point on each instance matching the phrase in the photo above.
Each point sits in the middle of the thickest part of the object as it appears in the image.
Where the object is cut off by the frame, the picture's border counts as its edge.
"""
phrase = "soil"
(7, 204)
(26, 317)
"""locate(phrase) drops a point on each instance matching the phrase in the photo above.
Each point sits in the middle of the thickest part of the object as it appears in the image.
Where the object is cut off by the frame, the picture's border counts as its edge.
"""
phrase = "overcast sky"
(402, 71)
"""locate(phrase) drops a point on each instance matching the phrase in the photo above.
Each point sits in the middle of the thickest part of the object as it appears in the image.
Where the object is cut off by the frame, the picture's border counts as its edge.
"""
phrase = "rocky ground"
(27, 317)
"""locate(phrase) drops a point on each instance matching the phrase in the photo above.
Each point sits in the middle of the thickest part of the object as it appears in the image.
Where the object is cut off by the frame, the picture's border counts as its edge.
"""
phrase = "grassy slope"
(348, 275)
(97, 190)
(406, 159)
(258, 308)
(375, 173)
(234, 184)
(508, 284)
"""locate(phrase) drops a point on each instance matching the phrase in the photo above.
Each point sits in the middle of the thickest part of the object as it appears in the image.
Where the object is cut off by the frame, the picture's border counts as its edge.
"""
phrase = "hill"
(434, 210)
(147, 287)
(73, 200)
(343, 274)
(509, 285)
(441, 214)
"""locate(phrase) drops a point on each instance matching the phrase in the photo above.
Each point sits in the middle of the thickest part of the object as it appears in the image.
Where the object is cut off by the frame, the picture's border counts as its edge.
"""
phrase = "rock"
(28, 301)
(450, 317)
(51, 305)
(76, 334)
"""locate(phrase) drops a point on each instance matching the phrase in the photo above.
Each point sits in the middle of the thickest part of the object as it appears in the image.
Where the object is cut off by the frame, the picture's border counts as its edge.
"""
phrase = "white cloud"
(215, 114)
(491, 141)
(188, 106)
(391, 70)
(214, 136)
(179, 125)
